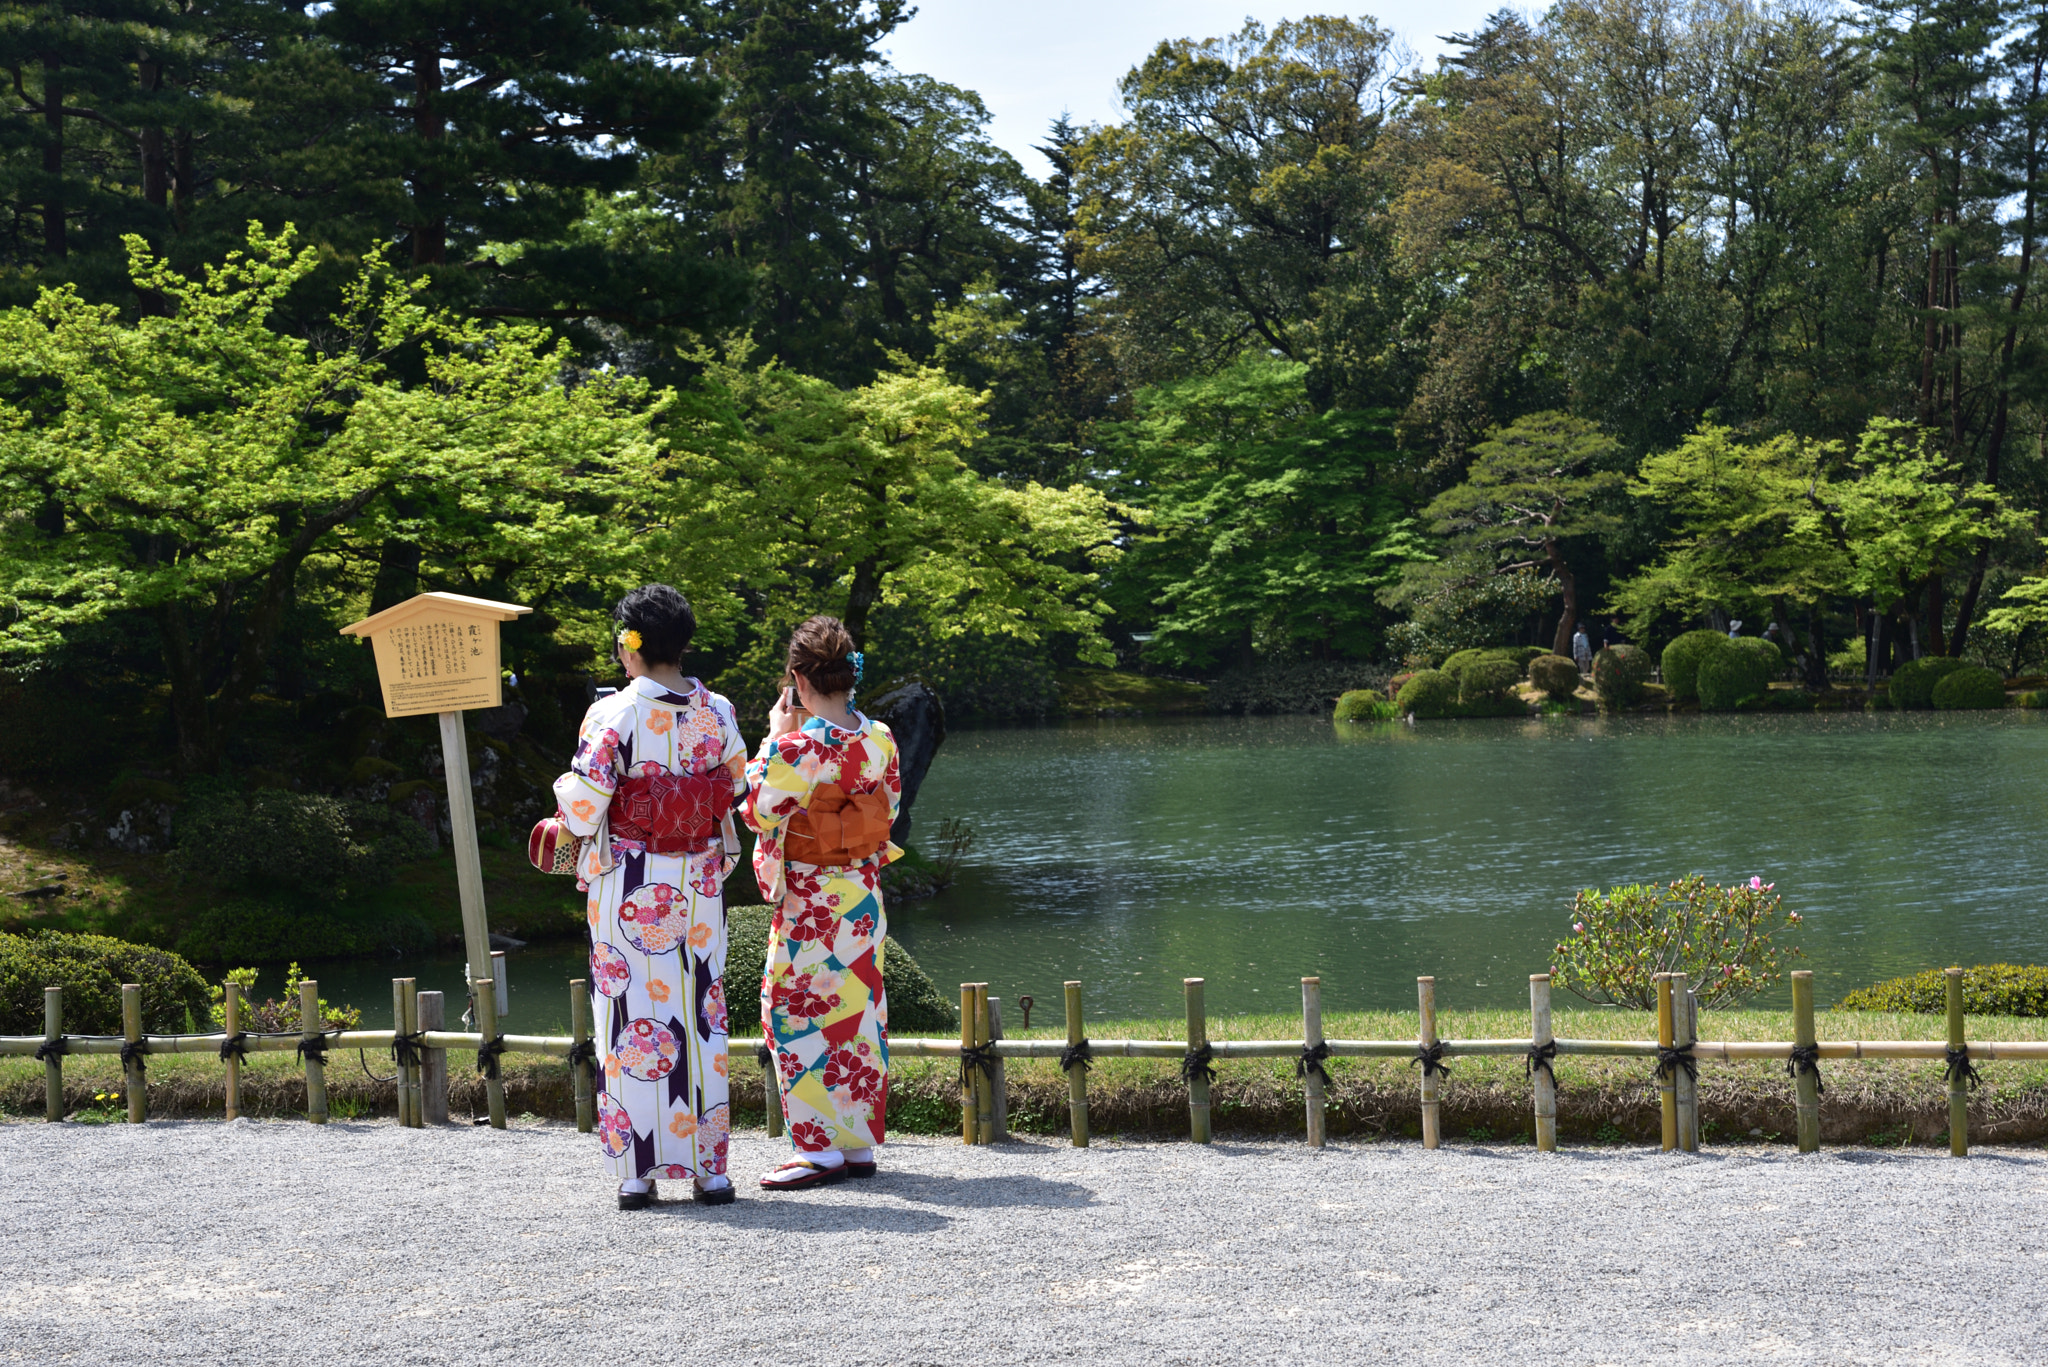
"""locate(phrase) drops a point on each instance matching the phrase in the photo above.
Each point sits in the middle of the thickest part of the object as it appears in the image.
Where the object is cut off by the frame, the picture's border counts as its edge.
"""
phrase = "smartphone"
(789, 702)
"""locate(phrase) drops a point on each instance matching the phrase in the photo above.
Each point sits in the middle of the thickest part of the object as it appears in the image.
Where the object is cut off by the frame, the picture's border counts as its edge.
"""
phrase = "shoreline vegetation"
(1868, 1102)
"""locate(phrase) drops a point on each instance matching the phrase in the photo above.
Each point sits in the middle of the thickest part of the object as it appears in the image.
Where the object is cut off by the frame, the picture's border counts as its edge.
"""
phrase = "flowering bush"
(1722, 939)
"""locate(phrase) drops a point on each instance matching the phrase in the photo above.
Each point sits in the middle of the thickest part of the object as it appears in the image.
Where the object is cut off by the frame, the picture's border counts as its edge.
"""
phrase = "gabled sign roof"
(440, 605)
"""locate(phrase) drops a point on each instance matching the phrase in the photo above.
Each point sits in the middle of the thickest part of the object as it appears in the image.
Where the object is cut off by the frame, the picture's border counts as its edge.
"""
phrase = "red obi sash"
(838, 828)
(672, 813)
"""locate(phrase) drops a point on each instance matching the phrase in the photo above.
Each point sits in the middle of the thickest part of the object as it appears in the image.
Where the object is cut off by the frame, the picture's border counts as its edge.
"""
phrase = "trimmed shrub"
(91, 969)
(1523, 656)
(915, 1002)
(1556, 676)
(1365, 704)
(1737, 672)
(1912, 683)
(1988, 990)
(319, 846)
(1973, 687)
(1431, 693)
(2032, 698)
(1619, 673)
(1684, 656)
(1487, 680)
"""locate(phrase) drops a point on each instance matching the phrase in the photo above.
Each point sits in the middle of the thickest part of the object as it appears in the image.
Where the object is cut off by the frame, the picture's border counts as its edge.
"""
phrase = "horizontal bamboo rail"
(421, 1052)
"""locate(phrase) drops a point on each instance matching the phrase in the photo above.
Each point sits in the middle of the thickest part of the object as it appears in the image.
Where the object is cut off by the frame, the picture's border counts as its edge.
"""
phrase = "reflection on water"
(1130, 854)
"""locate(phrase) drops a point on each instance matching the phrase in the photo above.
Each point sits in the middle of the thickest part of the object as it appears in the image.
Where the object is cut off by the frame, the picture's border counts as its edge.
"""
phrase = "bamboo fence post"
(1958, 1081)
(1685, 1086)
(771, 1091)
(53, 1062)
(409, 1078)
(1432, 1107)
(310, 1034)
(433, 1062)
(1312, 1073)
(984, 1088)
(968, 1073)
(1545, 1079)
(1198, 1082)
(404, 1106)
(1077, 1076)
(580, 1071)
(131, 1067)
(487, 1026)
(231, 1022)
(999, 1085)
(1805, 1080)
(1667, 1086)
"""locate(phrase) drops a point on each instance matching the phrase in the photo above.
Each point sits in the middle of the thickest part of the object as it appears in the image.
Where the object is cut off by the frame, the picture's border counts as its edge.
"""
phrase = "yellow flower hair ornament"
(629, 639)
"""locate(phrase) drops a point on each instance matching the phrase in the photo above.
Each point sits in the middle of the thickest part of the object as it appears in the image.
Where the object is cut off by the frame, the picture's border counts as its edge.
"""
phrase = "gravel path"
(280, 1242)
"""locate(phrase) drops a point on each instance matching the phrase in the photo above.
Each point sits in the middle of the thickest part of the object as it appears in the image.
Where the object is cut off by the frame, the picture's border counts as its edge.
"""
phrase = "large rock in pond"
(917, 719)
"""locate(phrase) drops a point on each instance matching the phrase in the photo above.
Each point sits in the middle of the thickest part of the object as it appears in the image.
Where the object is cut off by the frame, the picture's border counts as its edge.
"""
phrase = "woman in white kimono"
(651, 791)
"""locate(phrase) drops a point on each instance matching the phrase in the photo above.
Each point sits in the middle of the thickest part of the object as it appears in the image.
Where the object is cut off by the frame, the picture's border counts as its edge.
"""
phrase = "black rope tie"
(409, 1051)
(975, 1056)
(1959, 1066)
(583, 1051)
(1311, 1061)
(136, 1052)
(313, 1048)
(1198, 1065)
(1430, 1059)
(1080, 1054)
(1539, 1059)
(763, 1055)
(1806, 1059)
(488, 1054)
(1671, 1061)
(53, 1048)
(235, 1046)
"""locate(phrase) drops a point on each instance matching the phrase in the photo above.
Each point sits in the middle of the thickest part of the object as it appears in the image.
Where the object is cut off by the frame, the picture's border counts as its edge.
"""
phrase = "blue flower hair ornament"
(859, 660)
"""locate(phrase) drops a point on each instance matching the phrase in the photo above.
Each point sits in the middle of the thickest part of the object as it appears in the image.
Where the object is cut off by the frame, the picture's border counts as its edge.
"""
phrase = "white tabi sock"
(859, 1155)
(824, 1158)
(633, 1186)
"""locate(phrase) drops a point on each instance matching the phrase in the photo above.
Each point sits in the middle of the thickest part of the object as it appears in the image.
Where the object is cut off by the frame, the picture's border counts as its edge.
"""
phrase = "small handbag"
(551, 847)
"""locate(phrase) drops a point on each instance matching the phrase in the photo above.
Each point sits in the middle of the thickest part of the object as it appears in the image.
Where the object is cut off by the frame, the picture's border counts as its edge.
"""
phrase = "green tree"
(191, 468)
(1272, 523)
(1533, 488)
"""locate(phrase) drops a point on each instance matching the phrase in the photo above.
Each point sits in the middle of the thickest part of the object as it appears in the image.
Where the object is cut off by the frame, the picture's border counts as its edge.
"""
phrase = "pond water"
(1132, 853)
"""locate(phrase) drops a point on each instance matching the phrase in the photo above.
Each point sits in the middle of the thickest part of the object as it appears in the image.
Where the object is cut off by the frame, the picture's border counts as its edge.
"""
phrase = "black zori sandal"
(637, 1200)
(807, 1174)
(714, 1196)
(862, 1170)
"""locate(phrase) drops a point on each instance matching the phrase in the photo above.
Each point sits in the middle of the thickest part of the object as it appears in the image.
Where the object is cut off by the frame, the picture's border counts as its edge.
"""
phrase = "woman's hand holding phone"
(787, 714)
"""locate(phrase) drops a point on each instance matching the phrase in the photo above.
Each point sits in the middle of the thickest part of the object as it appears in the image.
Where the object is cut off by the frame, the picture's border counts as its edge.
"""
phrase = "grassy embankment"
(1116, 693)
(1878, 1102)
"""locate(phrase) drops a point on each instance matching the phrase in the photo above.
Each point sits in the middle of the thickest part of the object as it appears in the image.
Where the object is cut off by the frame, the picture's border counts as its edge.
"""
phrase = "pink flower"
(1756, 884)
(1578, 927)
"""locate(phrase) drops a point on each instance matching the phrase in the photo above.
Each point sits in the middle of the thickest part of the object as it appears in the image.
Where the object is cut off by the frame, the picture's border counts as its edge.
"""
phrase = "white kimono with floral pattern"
(657, 934)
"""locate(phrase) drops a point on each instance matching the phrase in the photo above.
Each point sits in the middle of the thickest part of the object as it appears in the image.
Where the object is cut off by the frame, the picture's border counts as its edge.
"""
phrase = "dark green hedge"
(1739, 671)
(1684, 656)
(1365, 704)
(1912, 683)
(916, 1006)
(1971, 688)
(1988, 990)
(91, 970)
(1428, 694)
(1556, 676)
(1619, 673)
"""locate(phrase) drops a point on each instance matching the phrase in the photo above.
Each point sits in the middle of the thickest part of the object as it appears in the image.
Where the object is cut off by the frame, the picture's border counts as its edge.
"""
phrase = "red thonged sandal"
(801, 1172)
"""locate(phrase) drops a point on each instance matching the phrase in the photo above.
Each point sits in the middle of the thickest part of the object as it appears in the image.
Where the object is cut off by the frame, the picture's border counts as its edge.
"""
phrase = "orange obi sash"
(838, 828)
(672, 813)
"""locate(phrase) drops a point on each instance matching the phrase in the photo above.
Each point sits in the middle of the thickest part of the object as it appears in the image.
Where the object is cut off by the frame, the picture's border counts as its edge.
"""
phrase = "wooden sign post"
(438, 652)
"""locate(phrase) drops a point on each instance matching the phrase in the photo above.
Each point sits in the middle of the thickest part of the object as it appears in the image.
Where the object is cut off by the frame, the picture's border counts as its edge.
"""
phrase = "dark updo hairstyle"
(818, 651)
(663, 618)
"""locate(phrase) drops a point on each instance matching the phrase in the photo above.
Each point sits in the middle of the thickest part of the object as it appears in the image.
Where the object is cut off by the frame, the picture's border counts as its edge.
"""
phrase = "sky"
(1030, 62)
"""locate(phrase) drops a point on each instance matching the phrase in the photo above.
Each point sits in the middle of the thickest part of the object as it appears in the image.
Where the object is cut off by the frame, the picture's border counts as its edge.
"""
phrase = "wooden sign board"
(437, 652)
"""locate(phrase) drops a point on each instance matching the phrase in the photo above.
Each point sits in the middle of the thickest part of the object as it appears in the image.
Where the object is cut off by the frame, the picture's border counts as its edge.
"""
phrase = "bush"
(1556, 676)
(1988, 990)
(1720, 938)
(1487, 680)
(2032, 698)
(1972, 687)
(91, 970)
(1619, 673)
(273, 930)
(1737, 672)
(1684, 656)
(1430, 694)
(1912, 683)
(318, 846)
(1365, 704)
(915, 1002)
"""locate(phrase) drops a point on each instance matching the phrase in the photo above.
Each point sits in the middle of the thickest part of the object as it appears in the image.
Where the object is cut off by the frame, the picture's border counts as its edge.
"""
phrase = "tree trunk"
(429, 228)
(861, 597)
(1568, 587)
(189, 713)
(398, 574)
(1936, 610)
(53, 161)
(1816, 650)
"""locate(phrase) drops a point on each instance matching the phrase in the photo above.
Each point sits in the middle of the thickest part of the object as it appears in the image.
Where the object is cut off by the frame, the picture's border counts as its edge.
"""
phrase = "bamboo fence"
(419, 1047)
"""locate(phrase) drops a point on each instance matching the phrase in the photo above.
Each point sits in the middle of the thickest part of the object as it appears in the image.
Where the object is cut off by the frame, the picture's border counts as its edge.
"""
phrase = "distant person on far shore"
(1582, 649)
(1610, 634)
